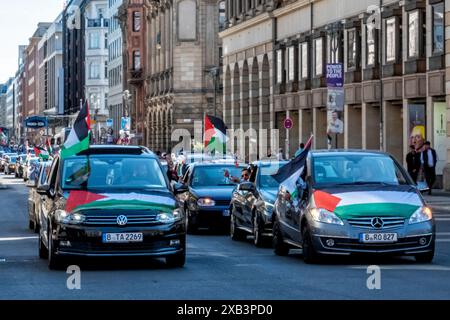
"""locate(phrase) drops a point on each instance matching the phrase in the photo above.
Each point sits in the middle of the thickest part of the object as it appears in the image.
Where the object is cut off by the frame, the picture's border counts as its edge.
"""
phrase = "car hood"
(268, 195)
(78, 200)
(216, 193)
(366, 201)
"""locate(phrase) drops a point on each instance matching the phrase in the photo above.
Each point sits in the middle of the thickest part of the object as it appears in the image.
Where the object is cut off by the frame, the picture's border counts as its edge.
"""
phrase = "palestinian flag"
(48, 147)
(215, 134)
(402, 201)
(80, 134)
(84, 200)
(288, 175)
(41, 153)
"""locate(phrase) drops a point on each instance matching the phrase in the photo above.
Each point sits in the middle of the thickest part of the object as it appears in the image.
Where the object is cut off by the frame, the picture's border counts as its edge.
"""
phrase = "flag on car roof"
(78, 139)
(288, 174)
(215, 134)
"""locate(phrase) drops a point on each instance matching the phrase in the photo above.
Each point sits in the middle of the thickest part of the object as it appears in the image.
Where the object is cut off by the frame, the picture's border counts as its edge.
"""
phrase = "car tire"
(30, 224)
(191, 227)
(236, 233)
(258, 239)
(310, 255)
(36, 226)
(43, 251)
(54, 262)
(279, 246)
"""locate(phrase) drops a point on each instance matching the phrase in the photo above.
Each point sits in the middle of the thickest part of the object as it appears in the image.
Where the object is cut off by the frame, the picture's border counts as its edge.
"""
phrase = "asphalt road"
(216, 268)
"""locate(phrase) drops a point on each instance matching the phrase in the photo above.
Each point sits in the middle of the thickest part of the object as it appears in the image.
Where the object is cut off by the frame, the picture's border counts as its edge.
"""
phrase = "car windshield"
(357, 169)
(265, 175)
(109, 172)
(213, 176)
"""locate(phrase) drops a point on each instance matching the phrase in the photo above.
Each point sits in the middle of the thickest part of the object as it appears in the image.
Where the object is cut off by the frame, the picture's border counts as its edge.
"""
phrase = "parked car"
(110, 201)
(35, 200)
(354, 202)
(21, 160)
(207, 195)
(31, 164)
(252, 203)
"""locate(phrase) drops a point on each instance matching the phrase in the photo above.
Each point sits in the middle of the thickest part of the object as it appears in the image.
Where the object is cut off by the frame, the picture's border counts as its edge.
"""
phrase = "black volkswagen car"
(110, 201)
(207, 194)
(252, 203)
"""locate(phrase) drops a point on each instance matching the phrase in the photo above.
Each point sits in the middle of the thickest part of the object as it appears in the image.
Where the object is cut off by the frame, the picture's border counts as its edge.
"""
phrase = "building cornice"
(291, 7)
(247, 24)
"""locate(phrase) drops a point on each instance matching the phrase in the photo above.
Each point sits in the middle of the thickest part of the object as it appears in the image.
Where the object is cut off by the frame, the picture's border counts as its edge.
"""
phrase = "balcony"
(136, 76)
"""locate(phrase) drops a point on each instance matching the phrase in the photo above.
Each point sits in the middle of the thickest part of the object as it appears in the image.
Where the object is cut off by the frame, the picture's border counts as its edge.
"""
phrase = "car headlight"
(66, 218)
(421, 215)
(165, 217)
(325, 216)
(206, 202)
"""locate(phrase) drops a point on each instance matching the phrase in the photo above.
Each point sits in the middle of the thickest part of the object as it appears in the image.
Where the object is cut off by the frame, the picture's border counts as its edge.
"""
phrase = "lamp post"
(214, 72)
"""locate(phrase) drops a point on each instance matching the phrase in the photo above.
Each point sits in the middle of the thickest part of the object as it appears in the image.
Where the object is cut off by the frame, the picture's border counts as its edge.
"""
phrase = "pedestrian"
(428, 159)
(245, 176)
(280, 155)
(413, 163)
(300, 150)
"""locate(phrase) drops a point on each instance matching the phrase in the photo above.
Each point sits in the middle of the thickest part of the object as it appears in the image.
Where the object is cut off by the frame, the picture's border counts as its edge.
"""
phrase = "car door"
(49, 205)
(238, 205)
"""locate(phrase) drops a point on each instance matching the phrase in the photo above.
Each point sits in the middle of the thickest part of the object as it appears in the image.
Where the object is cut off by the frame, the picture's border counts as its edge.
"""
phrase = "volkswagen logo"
(377, 223)
(122, 220)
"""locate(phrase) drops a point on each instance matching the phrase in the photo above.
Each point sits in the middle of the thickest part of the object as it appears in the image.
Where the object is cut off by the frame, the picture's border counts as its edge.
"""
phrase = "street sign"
(109, 123)
(288, 123)
(36, 122)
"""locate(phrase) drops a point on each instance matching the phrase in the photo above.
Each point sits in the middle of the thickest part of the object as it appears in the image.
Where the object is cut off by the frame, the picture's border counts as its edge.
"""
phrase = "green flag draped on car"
(79, 136)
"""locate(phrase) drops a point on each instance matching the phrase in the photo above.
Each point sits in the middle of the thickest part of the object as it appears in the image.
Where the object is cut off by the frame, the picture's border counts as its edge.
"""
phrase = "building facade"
(96, 61)
(115, 66)
(11, 106)
(275, 66)
(3, 92)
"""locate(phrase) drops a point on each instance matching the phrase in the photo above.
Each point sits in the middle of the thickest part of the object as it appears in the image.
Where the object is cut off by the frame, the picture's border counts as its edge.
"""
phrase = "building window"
(438, 28)
(391, 45)
(413, 34)
(371, 45)
(187, 22)
(136, 21)
(94, 70)
(303, 60)
(318, 56)
(106, 69)
(222, 16)
(334, 47)
(279, 66)
(94, 40)
(136, 60)
(291, 64)
(351, 48)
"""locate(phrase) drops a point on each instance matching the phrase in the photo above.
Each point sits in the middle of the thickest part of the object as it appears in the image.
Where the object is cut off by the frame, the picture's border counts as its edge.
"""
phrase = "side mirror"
(43, 190)
(247, 186)
(180, 188)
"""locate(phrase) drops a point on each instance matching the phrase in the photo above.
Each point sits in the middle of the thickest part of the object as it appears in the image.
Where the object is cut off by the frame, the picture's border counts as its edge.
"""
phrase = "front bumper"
(88, 242)
(217, 216)
(412, 239)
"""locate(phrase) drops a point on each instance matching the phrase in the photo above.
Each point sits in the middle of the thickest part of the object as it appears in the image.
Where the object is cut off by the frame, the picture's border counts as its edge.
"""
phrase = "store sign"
(440, 135)
(36, 122)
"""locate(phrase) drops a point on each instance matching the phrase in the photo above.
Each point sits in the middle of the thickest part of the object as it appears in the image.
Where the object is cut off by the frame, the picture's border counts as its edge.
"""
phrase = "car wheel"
(43, 251)
(54, 262)
(310, 254)
(235, 233)
(191, 227)
(258, 239)
(280, 247)
(30, 224)
(36, 225)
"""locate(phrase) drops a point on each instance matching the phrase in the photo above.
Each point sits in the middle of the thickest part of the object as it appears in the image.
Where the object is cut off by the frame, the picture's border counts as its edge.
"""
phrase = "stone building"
(181, 49)
(275, 58)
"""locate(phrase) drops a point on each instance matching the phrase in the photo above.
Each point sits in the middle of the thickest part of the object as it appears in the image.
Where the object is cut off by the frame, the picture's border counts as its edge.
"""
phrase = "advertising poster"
(417, 125)
(440, 135)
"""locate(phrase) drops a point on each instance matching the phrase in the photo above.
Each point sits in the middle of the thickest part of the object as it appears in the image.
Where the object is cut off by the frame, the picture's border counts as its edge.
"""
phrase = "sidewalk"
(439, 200)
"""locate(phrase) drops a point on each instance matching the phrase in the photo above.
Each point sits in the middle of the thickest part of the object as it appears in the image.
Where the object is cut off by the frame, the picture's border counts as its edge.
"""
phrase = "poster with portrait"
(417, 125)
(440, 135)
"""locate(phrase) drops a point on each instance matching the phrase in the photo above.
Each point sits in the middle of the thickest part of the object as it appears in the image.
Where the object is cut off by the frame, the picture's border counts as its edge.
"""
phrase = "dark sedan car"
(35, 200)
(20, 165)
(207, 195)
(252, 203)
(354, 202)
(110, 201)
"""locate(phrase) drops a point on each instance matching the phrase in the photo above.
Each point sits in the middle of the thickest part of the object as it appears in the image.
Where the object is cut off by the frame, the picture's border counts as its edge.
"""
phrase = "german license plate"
(226, 213)
(378, 237)
(123, 237)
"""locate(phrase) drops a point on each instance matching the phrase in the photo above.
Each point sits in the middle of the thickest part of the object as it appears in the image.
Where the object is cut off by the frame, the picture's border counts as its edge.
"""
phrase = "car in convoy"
(21, 160)
(205, 194)
(35, 200)
(10, 164)
(31, 164)
(252, 203)
(354, 202)
(110, 201)
(4, 160)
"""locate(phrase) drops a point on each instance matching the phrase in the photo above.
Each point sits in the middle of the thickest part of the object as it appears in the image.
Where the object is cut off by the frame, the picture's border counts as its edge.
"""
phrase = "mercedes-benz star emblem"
(377, 223)
(122, 220)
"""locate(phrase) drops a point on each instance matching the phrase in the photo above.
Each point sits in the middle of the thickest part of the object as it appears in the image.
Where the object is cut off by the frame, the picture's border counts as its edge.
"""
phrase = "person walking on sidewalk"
(413, 163)
(428, 159)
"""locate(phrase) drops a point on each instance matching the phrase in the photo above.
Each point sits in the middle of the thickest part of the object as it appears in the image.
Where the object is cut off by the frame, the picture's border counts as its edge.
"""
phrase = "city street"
(216, 268)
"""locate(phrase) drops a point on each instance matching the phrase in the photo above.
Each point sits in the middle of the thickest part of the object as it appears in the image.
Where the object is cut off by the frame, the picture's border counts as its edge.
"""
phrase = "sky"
(18, 21)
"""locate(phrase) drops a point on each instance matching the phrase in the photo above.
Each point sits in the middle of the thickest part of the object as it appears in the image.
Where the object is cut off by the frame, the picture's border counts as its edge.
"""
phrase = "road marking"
(408, 267)
(443, 233)
(18, 238)
(442, 219)
(2, 260)
(442, 240)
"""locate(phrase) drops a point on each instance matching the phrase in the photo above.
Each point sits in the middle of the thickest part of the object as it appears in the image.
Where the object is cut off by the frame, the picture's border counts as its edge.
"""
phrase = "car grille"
(222, 203)
(133, 220)
(366, 223)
